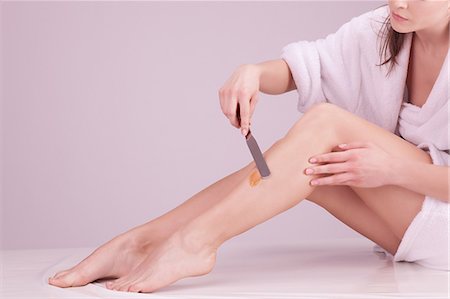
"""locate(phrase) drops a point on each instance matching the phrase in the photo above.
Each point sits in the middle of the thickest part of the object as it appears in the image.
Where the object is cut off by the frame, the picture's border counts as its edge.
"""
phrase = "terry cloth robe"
(342, 69)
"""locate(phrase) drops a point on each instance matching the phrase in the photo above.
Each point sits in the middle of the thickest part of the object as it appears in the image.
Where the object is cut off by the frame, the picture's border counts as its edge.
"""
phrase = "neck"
(433, 38)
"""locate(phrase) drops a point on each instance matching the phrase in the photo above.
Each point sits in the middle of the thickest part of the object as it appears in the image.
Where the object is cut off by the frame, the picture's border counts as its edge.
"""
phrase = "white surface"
(344, 268)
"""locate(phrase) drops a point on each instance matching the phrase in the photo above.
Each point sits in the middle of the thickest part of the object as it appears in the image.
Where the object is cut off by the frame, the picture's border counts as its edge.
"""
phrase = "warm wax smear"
(255, 178)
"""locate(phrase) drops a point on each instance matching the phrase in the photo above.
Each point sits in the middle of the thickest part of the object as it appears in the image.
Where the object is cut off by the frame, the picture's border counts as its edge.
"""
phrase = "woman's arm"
(242, 88)
(423, 178)
(275, 77)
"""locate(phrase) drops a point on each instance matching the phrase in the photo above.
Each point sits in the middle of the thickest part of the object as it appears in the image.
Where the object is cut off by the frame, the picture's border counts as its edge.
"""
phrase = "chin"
(400, 29)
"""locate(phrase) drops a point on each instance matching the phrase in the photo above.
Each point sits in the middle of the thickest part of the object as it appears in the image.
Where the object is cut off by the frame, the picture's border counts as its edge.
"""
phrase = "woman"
(381, 185)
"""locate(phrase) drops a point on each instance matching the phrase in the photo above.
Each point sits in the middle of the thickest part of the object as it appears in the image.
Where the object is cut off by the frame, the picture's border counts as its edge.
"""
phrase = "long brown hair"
(392, 41)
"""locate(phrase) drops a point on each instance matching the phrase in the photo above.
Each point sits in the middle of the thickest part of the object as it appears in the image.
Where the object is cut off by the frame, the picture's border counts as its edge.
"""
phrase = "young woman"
(389, 182)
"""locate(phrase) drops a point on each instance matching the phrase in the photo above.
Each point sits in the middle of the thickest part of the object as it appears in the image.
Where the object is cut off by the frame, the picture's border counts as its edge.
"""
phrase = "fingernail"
(342, 145)
(313, 182)
(313, 160)
(309, 171)
(244, 132)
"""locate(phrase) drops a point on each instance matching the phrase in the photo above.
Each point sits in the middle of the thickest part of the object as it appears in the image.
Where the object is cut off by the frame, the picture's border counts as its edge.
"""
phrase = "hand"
(358, 164)
(241, 88)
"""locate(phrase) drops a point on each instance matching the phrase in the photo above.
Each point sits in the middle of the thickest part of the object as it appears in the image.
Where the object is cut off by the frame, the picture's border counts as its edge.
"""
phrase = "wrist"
(259, 69)
(254, 68)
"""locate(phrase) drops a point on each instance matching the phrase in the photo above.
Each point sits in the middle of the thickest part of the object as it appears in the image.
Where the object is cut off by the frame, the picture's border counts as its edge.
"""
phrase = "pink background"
(111, 116)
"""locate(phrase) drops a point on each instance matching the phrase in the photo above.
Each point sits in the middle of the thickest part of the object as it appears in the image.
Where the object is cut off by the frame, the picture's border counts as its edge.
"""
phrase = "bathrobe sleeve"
(329, 69)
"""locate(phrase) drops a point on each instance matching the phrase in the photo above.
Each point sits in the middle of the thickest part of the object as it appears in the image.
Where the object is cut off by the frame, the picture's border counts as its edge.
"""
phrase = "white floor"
(344, 268)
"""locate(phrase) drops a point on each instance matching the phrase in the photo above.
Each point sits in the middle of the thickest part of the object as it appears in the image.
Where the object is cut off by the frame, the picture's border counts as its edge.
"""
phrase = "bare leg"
(171, 221)
(243, 208)
(195, 245)
(345, 205)
(123, 253)
(395, 206)
(247, 206)
(289, 186)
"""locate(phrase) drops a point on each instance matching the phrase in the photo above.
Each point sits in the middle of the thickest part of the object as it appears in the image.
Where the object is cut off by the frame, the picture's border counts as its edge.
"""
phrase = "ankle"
(197, 241)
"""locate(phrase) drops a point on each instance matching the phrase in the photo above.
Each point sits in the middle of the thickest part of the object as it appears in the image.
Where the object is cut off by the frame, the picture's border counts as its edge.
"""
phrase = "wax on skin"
(254, 178)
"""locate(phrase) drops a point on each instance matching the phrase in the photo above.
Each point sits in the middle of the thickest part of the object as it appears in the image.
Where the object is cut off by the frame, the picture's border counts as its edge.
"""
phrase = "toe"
(144, 285)
(136, 287)
(118, 286)
(123, 286)
(57, 281)
(127, 284)
(61, 273)
(64, 280)
(116, 283)
(75, 278)
(109, 284)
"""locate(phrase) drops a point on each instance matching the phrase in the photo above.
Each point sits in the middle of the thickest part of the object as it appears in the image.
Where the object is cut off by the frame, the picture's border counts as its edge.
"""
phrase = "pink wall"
(111, 117)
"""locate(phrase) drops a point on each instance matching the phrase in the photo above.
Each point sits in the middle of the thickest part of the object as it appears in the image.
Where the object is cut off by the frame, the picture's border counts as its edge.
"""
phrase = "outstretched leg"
(117, 257)
(127, 251)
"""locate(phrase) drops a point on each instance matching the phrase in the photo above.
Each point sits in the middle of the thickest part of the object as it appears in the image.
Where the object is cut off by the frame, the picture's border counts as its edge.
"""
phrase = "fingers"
(232, 111)
(339, 156)
(355, 144)
(337, 179)
(245, 115)
(241, 89)
(228, 104)
(328, 168)
(247, 103)
(253, 102)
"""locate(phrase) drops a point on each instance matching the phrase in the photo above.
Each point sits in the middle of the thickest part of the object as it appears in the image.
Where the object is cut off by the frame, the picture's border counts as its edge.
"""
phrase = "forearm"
(423, 178)
(275, 77)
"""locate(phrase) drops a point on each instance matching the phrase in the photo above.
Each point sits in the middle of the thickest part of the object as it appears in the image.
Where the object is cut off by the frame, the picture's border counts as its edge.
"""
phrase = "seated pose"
(371, 148)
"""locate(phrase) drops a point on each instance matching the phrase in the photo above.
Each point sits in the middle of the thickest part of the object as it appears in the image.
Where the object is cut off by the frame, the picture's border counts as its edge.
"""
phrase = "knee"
(319, 119)
(322, 113)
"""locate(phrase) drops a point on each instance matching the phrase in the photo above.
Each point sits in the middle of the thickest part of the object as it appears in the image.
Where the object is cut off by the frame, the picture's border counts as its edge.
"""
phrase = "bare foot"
(173, 259)
(114, 259)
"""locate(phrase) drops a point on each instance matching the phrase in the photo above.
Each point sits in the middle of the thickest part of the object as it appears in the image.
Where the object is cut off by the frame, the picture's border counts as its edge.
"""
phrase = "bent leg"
(318, 131)
(345, 205)
(248, 204)
(348, 127)
(396, 205)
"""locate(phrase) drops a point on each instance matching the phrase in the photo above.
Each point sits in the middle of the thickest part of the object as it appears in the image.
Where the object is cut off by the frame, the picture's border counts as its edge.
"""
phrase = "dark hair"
(391, 40)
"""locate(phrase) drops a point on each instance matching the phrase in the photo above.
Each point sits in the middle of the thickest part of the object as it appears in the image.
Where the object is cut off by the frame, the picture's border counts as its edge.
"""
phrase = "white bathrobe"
(342, 69)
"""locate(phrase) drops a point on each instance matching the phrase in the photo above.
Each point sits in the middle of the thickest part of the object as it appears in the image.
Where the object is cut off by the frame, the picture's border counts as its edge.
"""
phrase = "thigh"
(344, 204)
(349, 127)
(396, 205)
